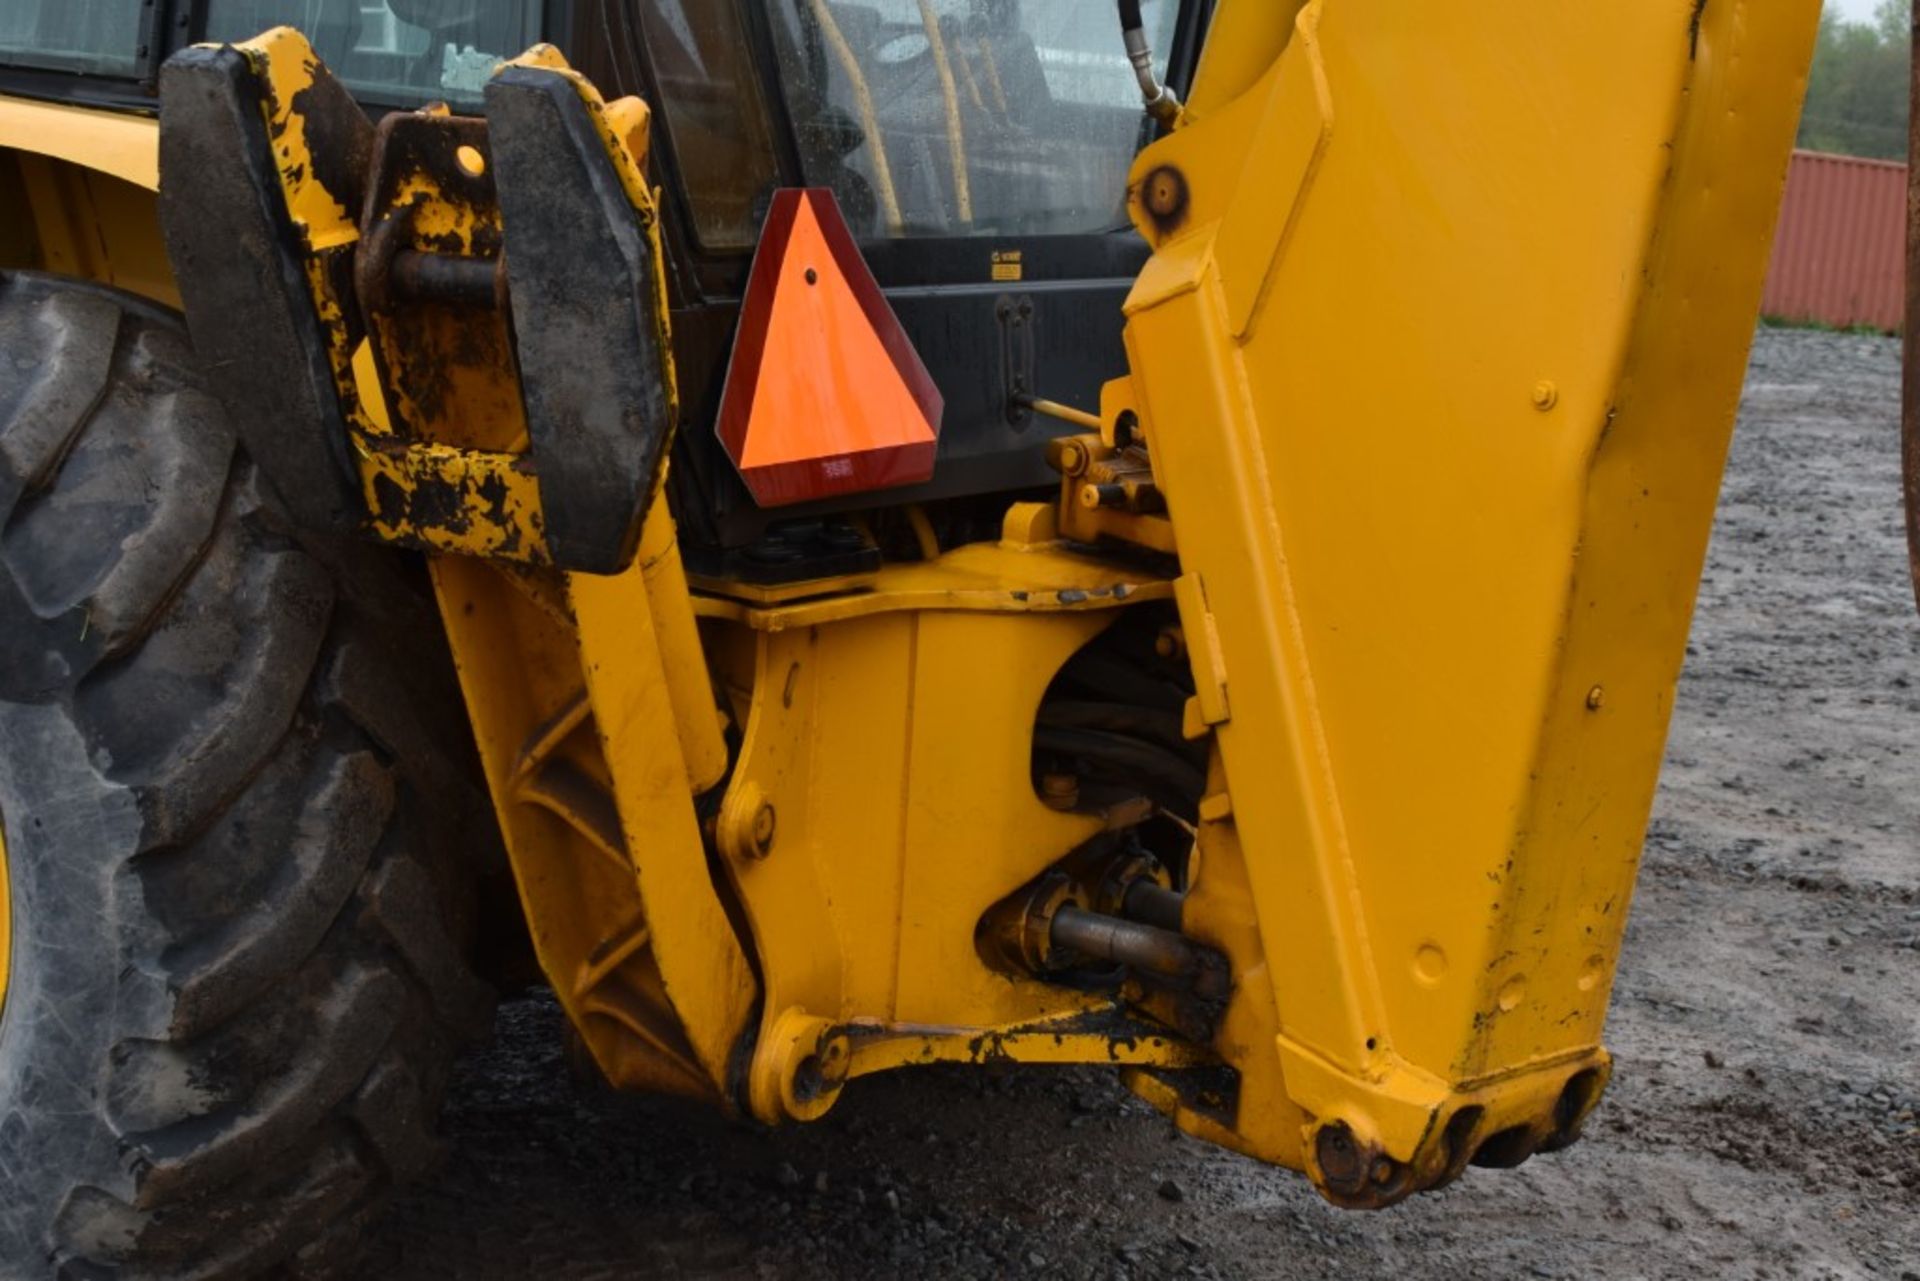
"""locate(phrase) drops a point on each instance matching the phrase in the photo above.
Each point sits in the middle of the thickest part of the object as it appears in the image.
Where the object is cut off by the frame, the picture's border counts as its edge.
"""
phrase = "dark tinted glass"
(97, 36)
(967, 117)
(400, 52)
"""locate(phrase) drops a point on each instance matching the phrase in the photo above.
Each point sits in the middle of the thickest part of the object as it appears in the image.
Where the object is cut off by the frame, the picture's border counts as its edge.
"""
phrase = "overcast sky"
(1858, 10)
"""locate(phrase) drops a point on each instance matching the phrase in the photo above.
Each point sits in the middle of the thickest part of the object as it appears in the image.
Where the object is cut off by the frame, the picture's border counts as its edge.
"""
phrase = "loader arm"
(1295, 757)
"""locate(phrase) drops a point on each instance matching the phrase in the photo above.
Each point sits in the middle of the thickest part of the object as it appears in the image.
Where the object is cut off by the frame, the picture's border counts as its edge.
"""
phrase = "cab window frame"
(168, 26)
(707, 273)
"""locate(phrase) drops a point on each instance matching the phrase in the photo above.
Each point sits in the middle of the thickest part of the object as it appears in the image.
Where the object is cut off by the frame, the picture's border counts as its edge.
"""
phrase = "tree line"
(1858, 90)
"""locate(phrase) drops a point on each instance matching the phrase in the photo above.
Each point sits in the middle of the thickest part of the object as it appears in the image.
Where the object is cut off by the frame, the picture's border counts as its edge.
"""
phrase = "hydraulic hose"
(1153, 724)
(1132, 757)
(1161, 103)
(1116, 679)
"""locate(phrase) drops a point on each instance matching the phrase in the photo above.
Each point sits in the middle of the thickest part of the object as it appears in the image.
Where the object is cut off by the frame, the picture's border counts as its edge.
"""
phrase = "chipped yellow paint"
(480, 496)
(623, 127)
(449, 371)
(498, 496)
(498, 512)
(1061, 1039)
(285, 63)
(331, 309)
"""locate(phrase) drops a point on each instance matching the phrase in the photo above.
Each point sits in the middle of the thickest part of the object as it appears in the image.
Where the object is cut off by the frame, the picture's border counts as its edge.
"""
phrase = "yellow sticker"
(1006, 264)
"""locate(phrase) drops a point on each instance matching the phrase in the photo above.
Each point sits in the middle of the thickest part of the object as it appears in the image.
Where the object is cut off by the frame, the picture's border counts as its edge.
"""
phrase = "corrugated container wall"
(1840, 257)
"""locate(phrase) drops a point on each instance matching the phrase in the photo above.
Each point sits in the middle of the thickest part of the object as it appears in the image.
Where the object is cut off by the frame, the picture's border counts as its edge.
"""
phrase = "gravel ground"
(1762, 1121)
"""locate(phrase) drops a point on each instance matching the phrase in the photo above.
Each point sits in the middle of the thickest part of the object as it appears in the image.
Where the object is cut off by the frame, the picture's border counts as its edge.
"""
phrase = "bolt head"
(763, 828)
(1342, 1164)
(1545, 395)
(1166, 192)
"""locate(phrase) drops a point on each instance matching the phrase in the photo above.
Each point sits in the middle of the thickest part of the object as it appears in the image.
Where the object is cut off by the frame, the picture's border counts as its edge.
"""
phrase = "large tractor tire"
(231, 788)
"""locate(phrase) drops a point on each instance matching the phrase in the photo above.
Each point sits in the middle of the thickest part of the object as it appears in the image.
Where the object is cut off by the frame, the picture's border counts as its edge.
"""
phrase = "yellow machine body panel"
(84, 203)
(1437, 360)
(119, 146)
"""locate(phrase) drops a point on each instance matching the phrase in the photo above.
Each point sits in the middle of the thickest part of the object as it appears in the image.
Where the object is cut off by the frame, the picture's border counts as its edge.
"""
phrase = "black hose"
(1122, 682)
(1140, 647)
(1131, 755)
(1130, 19)
(1156, 725)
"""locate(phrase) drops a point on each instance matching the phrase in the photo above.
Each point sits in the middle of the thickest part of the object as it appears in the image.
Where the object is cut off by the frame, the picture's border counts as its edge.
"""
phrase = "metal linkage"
(1146, 948)
(450, 278)
(1154, 904)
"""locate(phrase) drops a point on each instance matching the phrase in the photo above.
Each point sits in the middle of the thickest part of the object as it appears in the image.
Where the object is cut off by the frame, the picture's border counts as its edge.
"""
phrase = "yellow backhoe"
(839, 535)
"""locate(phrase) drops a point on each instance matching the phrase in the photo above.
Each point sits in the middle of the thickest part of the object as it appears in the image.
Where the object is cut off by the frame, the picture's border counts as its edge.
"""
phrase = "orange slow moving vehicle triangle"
(825, 394)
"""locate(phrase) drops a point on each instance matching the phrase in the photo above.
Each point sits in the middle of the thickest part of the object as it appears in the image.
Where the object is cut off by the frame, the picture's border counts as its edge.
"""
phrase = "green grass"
(1821, 326)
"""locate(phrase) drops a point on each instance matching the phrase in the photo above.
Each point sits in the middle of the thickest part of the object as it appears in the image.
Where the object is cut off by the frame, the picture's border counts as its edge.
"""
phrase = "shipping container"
(1840, 257)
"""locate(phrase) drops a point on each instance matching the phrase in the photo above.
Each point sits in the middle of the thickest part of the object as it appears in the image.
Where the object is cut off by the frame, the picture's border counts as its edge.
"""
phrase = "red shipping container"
(1840, 257)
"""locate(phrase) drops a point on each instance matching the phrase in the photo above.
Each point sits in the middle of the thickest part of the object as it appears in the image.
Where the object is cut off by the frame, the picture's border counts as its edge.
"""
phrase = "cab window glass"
(967, 117)
(97, 36)
(402, 52)
(711, 104)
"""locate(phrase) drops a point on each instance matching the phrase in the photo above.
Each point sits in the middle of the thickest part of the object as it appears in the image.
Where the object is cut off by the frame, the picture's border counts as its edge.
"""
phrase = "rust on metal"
(1355, 1173)
(448, 278)
(1112, 1034)
(1155, 904)
(429, 280)
(1352, 1172)
(1147, 948)
(1836, 256)
(1164, 195)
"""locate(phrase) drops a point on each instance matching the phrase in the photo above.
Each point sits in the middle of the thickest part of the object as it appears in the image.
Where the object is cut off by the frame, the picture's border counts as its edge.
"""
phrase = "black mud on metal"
(580, 276)
(237, 259)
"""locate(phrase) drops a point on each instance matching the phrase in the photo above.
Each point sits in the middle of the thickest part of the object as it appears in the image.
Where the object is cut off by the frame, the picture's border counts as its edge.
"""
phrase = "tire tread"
(271, 827)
